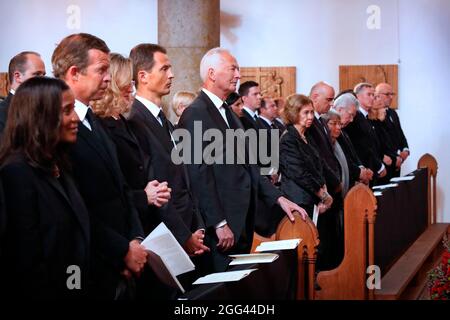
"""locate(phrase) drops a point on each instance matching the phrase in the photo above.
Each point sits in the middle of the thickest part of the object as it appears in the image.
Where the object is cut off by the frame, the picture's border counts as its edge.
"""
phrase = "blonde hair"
(292, 107)
(121, 70)
(182, 97)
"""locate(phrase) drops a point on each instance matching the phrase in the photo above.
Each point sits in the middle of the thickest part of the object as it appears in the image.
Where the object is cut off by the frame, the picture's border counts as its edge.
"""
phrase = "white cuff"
(221, 224)
(381, 169)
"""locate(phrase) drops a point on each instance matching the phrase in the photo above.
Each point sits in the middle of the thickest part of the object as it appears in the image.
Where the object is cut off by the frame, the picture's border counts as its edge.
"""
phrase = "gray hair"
(360, 86)
(211, 59)
(345, 101)
(330, 115)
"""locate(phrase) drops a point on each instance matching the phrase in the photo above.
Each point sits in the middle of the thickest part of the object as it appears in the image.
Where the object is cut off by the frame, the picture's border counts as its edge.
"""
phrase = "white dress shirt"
(81, 109)
(218, 103)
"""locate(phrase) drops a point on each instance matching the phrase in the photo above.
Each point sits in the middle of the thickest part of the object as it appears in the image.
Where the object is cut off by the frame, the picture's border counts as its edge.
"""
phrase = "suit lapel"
(152, 124)
(107, 156)
(214, 113)
(70, 197)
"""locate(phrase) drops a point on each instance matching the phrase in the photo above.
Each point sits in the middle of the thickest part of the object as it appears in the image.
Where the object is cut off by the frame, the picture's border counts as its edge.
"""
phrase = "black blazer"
(135, 165)
(224, 191)
(4, 107)
(365, 141)
(301, 169)
(352, 158)
(114, 218)
(321, 141)
(48, 231)
(395, 129)
(179, 214)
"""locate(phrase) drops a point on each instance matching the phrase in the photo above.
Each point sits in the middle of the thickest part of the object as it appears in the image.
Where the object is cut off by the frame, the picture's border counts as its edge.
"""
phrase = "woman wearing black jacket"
(47, 239)
(302, 178)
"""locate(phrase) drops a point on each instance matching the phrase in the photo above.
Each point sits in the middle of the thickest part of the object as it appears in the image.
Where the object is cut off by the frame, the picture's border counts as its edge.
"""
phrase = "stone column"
(187, 29)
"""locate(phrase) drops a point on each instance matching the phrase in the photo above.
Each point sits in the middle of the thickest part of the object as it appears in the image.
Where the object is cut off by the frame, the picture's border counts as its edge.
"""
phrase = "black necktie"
(165, 124)
(272, 125)
(255, 117)
(90, 116)
(229, 116)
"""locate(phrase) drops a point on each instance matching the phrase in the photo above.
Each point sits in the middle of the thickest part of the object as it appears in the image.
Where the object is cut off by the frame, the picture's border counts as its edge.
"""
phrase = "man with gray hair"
(227, 192)
(385, 93)
(363, 135)
(22, 66)
(347, 106)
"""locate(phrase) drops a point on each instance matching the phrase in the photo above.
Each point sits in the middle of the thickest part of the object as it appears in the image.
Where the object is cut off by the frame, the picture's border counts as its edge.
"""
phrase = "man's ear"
(142, 77)
(73, 73)
(17, 77)
(212, 74)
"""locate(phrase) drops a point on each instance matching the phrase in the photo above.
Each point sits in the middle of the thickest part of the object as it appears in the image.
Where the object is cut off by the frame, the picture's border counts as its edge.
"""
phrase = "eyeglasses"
(335, 123)
(392, 94)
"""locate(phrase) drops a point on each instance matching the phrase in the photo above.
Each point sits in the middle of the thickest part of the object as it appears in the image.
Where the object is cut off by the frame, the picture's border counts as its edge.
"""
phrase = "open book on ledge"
(238, 259)
(228, 276)
(278, 245)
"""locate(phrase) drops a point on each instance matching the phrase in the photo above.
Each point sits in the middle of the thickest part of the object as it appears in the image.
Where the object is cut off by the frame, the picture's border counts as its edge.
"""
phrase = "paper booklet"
(239, 259)
(228, 276)
(278, 245)
(405, 178)
(167, 253)
(385, 186)
(315, 215)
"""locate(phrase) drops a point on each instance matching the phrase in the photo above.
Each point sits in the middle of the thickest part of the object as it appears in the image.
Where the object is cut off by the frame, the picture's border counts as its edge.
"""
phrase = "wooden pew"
(404, 279)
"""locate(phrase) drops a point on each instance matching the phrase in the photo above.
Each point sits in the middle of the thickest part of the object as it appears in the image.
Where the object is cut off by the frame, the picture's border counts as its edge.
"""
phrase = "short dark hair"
(232, 98)
(142, 57)
(73, 50)
(244, 88)
(18, 63)
(34, 117)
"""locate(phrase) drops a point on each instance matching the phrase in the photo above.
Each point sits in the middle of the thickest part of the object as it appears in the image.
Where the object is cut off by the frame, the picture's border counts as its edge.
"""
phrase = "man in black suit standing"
(153, 76)
(384, 92)
(251, 97)
(227, 191)
(22, 66)
(82, 60)
(322, 96)
(363, 135)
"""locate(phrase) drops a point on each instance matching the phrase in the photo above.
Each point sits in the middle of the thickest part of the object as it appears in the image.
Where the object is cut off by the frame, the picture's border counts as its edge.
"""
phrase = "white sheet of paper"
(162, 242)
(239, 259)
(377, 194)
(405, 178)
(278, 245)
(315, 215)
(385, 186)
(228, 276)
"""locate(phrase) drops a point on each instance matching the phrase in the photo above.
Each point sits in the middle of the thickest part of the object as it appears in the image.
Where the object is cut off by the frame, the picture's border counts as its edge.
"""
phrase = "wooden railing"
(405, 276)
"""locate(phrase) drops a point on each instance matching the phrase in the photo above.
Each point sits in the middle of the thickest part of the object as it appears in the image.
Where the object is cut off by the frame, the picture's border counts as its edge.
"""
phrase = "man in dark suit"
(251, 97)
(384, 92)
(22, 66)
(227, 191)
(153, 76)
(363, 135)
(82, 61)
(346, 106)
(322, 96)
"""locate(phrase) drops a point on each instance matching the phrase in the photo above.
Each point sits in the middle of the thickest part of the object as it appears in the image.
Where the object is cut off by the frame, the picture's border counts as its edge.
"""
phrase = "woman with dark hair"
(46, 249)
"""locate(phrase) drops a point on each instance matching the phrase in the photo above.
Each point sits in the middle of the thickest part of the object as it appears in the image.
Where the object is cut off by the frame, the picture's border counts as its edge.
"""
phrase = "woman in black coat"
(134, 163)
(302, 179)
(300, 164)
(46, 244)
